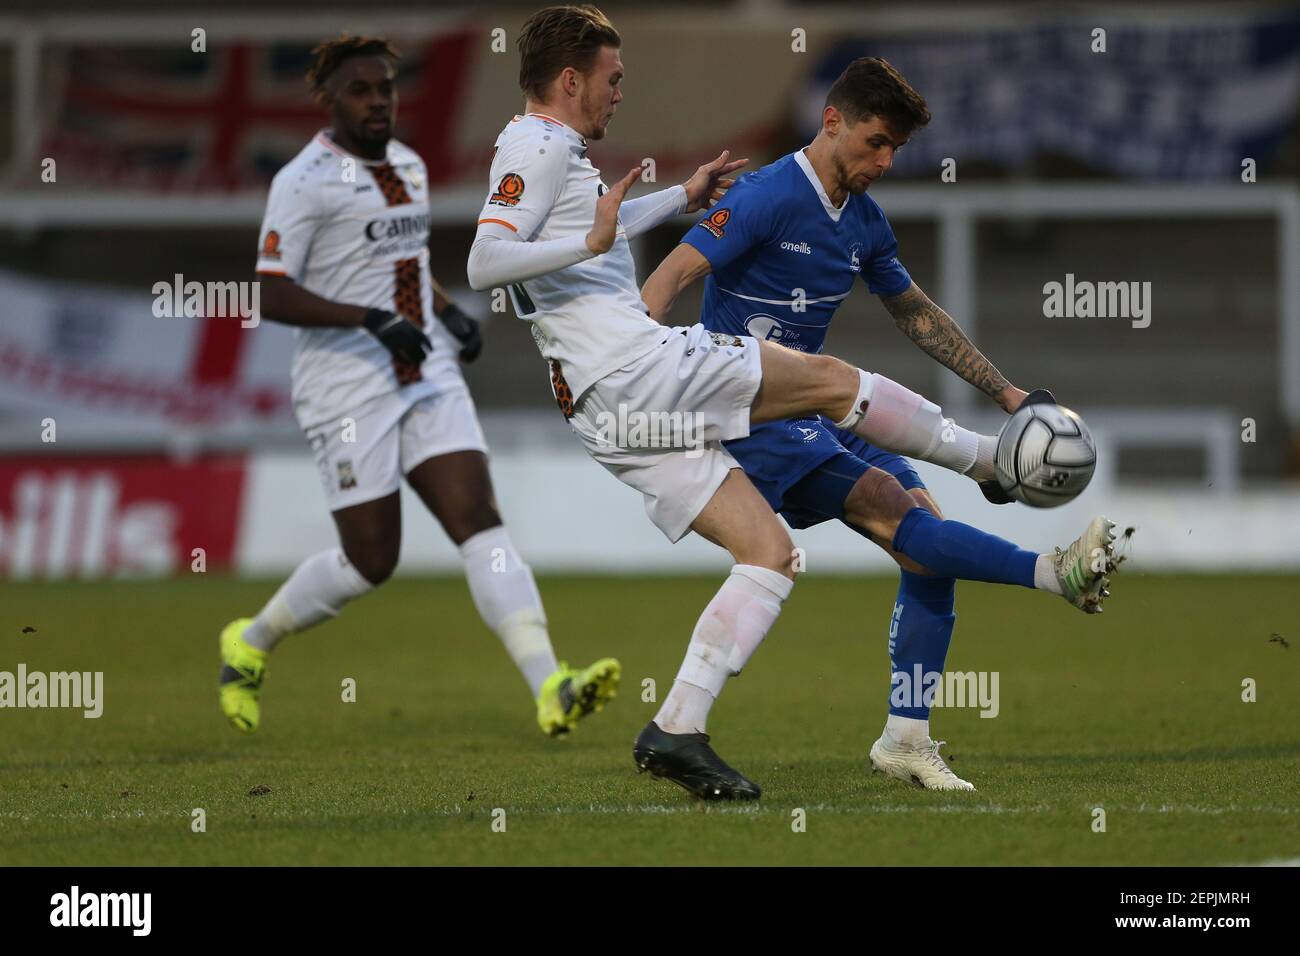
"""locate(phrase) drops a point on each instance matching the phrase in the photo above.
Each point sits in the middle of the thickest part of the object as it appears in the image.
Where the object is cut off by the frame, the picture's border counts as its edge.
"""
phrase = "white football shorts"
(658, 423)
(389, 438)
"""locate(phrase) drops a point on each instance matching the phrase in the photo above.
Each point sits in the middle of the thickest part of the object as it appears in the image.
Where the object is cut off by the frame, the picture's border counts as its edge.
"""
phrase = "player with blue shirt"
(781, 251)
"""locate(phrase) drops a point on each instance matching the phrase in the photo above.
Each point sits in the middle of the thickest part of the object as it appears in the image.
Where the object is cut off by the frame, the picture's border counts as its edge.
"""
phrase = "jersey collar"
(323, 137)
(806, 165)
(569, 131)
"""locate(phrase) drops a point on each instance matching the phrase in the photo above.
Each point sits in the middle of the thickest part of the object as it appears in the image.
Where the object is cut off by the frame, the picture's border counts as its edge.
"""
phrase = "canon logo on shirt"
(397, 227)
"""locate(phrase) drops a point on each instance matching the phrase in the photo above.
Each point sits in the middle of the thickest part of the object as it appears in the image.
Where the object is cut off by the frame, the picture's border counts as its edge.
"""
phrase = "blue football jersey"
(783, 258)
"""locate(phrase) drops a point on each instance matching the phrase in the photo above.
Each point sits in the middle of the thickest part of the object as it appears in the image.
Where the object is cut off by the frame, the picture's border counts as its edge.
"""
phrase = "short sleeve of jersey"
(883, 273)
(527, 176)
(738, 223)
(292, 215)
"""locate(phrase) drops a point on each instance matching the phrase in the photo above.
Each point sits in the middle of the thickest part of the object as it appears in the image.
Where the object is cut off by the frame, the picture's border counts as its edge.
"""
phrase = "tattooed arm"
(942, 339)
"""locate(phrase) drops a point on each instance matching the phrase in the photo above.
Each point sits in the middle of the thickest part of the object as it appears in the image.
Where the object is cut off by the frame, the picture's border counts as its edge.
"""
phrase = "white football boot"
(919, 765)
(1083, 569)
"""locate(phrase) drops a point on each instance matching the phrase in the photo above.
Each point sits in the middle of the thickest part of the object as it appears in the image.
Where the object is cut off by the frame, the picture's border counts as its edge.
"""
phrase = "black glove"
(466, 331)
(403, 338)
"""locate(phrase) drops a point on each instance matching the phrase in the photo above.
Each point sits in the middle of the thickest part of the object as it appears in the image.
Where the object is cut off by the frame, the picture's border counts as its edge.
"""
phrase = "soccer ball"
(1045, 455)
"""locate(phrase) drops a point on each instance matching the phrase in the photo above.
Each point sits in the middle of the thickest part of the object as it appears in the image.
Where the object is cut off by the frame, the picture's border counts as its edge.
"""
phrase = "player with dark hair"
(553, 233)
(379, 393)
(805, 222)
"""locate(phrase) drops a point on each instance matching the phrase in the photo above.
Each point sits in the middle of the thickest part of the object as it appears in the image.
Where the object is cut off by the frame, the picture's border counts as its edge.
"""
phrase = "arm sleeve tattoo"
(934, 331)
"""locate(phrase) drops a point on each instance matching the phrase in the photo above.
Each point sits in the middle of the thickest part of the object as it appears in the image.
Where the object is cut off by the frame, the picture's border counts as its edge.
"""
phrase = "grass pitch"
(1139, 712)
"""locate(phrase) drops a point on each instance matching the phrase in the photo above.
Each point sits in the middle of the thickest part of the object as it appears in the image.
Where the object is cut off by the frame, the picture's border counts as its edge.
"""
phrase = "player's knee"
(837, 380)
(923, 498)
(824, 364)
(878, 502)
(776, 553)
(907, 564)
(476, 517)
(374, 560)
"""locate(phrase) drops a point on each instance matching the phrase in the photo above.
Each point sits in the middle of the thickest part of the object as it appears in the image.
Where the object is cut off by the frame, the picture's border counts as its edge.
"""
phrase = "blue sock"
(919, 633)
(950, 549)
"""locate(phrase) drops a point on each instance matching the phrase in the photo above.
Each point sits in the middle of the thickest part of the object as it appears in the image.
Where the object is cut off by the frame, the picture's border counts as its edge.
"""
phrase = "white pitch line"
(265, 811)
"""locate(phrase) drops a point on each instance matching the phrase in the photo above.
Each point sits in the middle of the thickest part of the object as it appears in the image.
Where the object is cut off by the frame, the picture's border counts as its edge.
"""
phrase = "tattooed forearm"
(940, 337)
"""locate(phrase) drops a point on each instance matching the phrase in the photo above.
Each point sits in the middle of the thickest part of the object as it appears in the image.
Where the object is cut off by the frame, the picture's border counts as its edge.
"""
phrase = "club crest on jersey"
(855, 264)
(726, 339)
(416, 179)
(508, 191)
(271, 245)
(715, 222)
(807, 434)
(346, 478)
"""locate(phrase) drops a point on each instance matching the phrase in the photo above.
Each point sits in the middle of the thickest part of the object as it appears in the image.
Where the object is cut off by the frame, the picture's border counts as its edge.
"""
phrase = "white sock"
(315, 592)
(906, 731)
(986, 454)
(728, 632)
(958, 448)
(898, 419)
(1045, 574)
(507, 599)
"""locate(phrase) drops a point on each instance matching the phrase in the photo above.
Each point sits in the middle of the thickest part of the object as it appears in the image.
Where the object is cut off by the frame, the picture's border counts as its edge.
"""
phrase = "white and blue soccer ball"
(1045, 455)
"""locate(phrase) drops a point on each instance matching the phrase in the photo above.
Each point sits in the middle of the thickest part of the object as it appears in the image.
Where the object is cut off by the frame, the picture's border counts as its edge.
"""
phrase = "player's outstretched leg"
(878, 504)
(674, 744)
(457, 488)
(315, 592)
(874, 493)
(922, 624)
(920, 630)
(871, 406)
(1080, 573)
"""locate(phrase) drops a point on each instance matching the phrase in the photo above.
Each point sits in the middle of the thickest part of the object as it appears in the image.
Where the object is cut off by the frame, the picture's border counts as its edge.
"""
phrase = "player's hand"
(1010, 398)
(465, 329)
(604, 230)
(709, 183)
(403, 338)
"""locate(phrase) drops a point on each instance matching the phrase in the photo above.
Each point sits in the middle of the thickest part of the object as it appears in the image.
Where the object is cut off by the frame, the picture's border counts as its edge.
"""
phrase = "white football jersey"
(588, 317)
(355, 231)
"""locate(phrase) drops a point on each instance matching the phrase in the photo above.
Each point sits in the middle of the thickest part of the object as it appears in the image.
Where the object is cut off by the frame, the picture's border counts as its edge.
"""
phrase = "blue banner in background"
(1184, 101)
